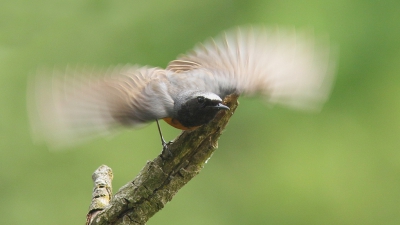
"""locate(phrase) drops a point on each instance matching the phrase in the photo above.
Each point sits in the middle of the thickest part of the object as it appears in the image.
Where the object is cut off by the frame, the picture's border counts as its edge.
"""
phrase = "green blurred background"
(273, 165)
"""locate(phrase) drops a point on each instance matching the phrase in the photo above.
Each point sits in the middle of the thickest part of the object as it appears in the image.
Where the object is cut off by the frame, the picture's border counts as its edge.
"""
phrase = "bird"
(286, 66)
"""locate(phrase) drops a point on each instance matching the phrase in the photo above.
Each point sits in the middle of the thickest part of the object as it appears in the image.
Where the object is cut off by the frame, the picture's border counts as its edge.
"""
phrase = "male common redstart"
(284, 65)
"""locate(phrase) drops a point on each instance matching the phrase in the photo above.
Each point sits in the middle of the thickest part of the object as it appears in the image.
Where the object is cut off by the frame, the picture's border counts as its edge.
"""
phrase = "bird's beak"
(221, 106)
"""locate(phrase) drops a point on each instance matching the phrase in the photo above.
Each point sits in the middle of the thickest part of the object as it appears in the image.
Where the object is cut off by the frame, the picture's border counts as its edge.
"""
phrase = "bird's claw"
(165, 147)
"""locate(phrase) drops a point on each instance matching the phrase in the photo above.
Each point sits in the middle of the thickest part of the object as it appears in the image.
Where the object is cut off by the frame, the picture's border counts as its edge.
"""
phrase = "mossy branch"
(161, 178)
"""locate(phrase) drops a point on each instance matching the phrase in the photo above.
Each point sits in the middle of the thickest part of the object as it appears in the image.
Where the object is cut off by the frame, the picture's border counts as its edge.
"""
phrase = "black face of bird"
(199, 110)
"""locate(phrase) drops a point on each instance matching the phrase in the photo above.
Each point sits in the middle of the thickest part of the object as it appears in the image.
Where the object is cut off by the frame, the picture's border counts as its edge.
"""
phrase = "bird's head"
(197, 108)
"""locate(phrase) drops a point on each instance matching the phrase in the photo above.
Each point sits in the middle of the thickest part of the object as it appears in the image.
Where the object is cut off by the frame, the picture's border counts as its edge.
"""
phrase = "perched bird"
(288, 67)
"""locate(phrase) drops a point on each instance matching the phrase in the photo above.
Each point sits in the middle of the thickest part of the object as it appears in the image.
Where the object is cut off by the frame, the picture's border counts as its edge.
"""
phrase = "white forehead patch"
(211, 96)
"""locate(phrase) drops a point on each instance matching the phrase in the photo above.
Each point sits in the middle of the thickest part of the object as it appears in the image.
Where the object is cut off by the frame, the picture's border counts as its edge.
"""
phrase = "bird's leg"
(164, 144)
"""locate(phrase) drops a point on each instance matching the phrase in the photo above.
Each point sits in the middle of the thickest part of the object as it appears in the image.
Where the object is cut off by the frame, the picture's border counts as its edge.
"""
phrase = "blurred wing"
(76, 105)
(286, 66)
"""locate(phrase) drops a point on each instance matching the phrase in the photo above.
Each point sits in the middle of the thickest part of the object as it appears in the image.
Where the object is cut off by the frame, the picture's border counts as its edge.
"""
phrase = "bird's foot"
(165, 147)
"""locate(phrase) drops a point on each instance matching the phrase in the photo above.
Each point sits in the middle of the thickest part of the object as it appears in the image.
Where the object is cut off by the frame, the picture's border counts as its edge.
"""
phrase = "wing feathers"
(286, 66)
(79, 104)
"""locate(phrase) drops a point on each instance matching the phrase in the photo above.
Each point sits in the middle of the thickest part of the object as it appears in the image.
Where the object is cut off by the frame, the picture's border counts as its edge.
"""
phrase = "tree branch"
(102, 191)
(161, 179)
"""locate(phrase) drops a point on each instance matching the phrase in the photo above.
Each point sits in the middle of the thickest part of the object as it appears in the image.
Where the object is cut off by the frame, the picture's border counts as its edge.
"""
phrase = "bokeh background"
(273, 165)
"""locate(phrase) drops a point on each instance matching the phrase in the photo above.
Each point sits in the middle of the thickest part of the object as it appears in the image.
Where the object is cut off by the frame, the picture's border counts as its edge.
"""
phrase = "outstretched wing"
(288, 67)
(79, 104)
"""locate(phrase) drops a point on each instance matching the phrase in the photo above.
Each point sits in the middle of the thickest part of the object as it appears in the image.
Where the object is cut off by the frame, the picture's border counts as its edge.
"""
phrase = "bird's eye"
(200, 99)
